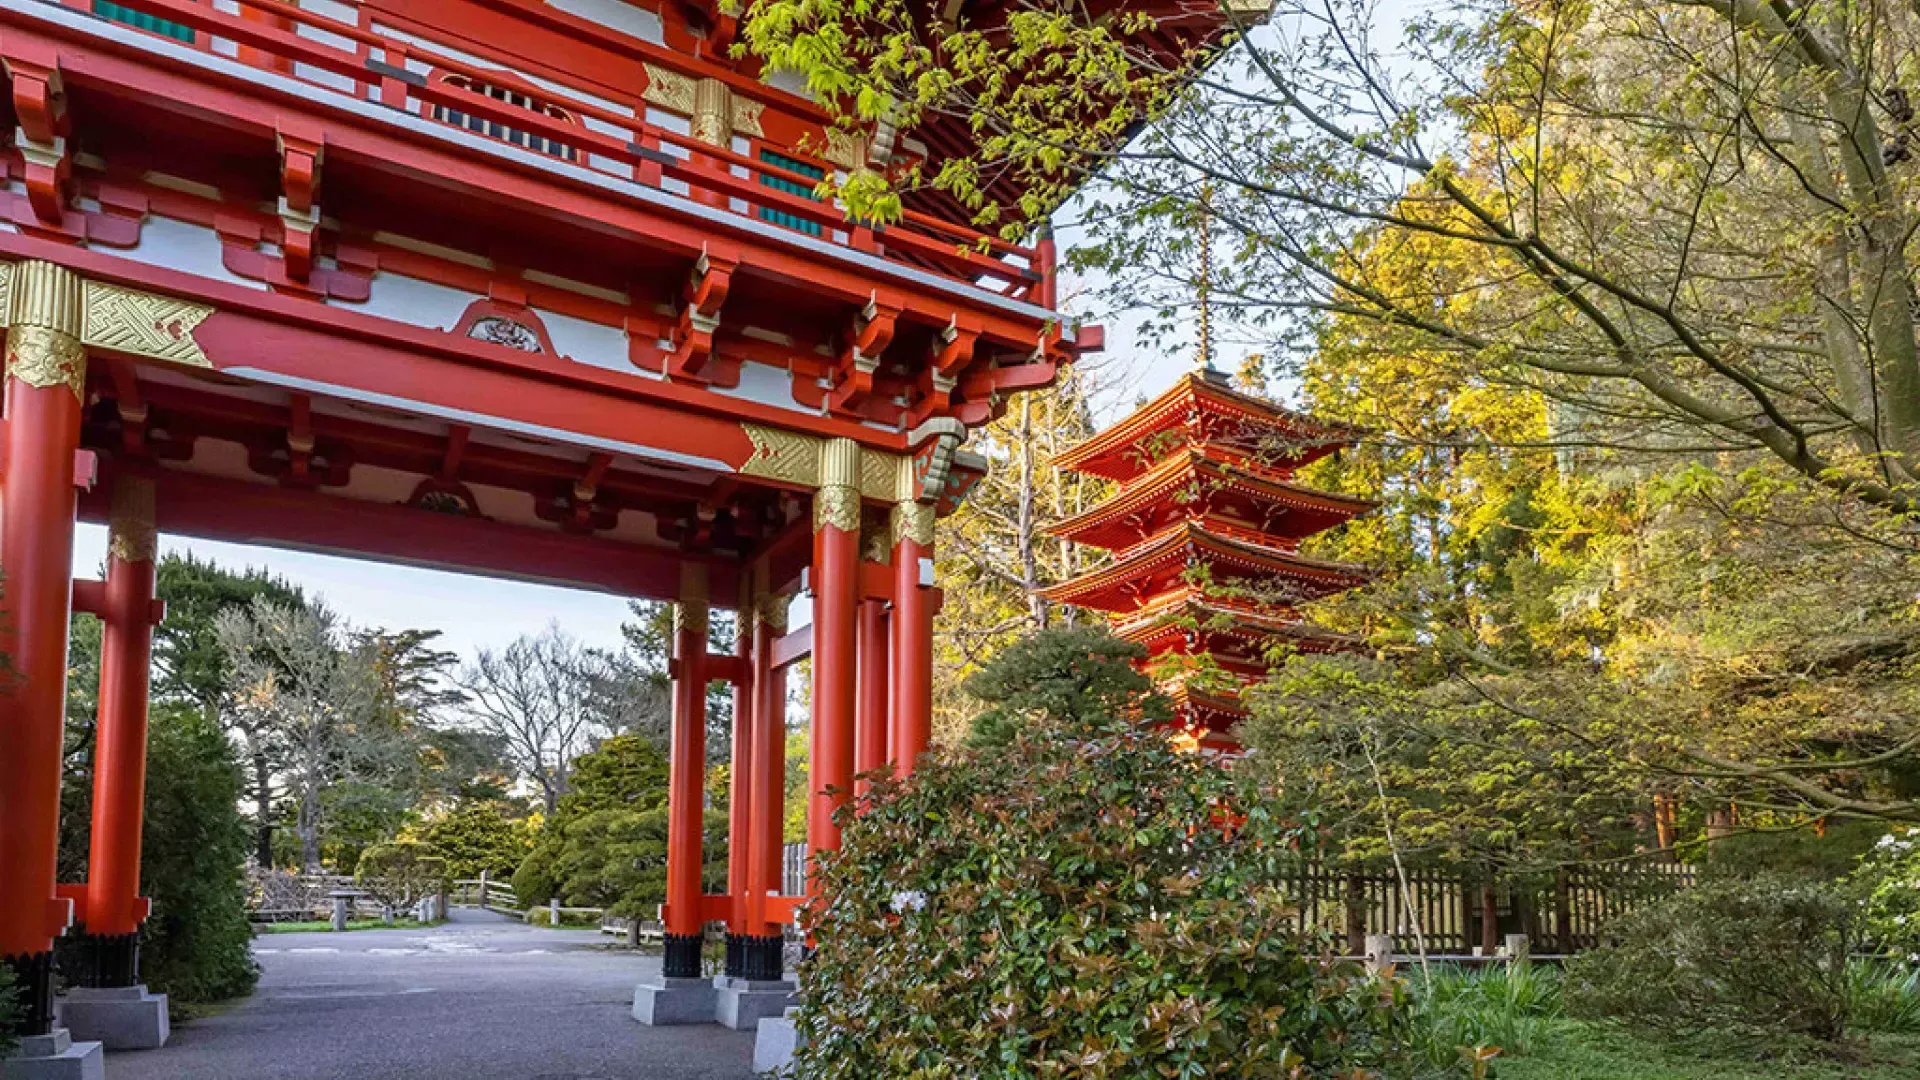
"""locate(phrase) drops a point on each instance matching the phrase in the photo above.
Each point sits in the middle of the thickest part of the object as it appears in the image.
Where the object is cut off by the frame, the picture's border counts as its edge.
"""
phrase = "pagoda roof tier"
(1220, 627)
(1200, 408)
(1152, 568)
(1197, 485)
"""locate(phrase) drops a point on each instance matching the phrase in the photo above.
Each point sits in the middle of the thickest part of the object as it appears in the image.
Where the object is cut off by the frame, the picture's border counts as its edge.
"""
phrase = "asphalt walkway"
(479, 998)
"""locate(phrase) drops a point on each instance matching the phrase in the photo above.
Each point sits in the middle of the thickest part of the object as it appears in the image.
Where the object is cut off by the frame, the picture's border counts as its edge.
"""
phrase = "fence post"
(483, 890)
(1519, 950)
(1563, 910)
(1489, 919)
(553, 912)
(1356, 913)
(1379, 952)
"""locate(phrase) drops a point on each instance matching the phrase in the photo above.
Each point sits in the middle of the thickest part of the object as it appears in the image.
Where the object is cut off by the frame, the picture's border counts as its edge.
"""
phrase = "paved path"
(480, 998)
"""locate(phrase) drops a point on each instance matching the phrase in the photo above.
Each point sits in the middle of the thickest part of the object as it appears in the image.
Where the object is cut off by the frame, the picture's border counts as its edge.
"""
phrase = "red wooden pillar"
(746, 735)
(836, 593)
(912, 634)
(764, 953)
(114, 907)
(870, 722)
(686, 777)
(45, 378)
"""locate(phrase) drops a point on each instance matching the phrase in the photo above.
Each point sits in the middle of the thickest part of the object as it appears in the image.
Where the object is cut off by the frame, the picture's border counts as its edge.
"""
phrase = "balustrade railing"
(570, 123)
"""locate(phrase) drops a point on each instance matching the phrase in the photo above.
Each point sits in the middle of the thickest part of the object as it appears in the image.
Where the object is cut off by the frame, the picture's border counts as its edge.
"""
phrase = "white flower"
(911, 900)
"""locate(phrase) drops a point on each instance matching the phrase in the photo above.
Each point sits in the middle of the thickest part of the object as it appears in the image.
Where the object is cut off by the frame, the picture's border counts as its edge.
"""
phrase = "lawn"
(1577, 1051)
(354, 924)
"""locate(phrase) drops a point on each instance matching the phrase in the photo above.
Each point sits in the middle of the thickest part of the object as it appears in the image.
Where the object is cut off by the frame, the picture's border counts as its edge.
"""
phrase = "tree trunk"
(263, 811)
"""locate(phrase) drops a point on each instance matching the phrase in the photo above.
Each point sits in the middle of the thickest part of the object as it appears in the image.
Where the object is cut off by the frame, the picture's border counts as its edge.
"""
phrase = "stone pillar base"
(119, 1017)
(741, 1004)
(665, 1002)
(55, 1057)
(775, 1044)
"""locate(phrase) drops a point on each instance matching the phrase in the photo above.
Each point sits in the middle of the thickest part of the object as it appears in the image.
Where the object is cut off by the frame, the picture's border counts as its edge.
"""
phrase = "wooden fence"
(1457, 914)
(1454, 913)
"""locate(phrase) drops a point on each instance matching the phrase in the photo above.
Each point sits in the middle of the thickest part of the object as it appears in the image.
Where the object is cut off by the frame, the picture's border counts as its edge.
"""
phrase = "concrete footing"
(118, 1018)
(55, 1057)
(665, 1002)
(741, 1004)
(774, 1044)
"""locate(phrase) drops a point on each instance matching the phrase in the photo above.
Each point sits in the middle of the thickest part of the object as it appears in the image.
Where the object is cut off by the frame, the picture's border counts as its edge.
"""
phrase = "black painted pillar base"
(736, 957)
(102, 962)
(683, 956)
(33, 984)
(764, 959)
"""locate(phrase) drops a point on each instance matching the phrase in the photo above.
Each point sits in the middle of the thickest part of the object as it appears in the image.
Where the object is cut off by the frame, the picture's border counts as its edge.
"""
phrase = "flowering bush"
(1083, 901)
(1889, 875)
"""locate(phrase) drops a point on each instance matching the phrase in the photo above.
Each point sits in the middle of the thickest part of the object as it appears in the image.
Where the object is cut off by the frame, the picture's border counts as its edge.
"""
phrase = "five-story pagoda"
(1205, 529)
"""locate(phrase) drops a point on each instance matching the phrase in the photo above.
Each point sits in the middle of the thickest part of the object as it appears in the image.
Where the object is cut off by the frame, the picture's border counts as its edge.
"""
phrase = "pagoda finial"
(1203, 360)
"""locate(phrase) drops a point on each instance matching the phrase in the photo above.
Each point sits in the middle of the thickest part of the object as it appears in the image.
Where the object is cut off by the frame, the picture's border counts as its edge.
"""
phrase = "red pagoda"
(1205, 531)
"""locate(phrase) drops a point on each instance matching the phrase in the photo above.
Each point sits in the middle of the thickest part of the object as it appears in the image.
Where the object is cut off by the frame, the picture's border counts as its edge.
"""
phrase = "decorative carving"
(746, 117)
(773, 611)
(131, 535)
(881, 476)
(912, 521)
(145, 324)
(876, 545)
(713, 113)
(778, 454)
(46, 358)
(837, 505)
(845, 149)
(500, 330)
(692, 616)
(670, 90)
(43, 294)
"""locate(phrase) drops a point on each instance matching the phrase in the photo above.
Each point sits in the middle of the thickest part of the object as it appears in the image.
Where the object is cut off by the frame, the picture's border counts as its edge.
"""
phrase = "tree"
(1689, 219)
(303, 695)
(542, 698)
(476, 836)
(190, 665)
(1064, 676)
(606, 844)
(637, 692)
(400, 873)
(197, 944)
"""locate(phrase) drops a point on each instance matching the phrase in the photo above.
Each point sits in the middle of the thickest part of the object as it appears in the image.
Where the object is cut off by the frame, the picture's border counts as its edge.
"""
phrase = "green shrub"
(1883, 997)
(400, 873)
(1758, 958)
(569, 917)
(197, 945)
(1085, 901)
(1065, 675)
(1462, 1013)
(1889, 875)
(9, 1011)
(479, 834)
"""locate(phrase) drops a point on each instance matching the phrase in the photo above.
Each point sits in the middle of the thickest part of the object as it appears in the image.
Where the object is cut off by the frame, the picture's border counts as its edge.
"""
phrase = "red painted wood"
(687, 773)
(836, 570)
(912, 698)
(870, 721)
(36, 544)
(746, 734)
(767, 784)
(244, 513)
(120, 754)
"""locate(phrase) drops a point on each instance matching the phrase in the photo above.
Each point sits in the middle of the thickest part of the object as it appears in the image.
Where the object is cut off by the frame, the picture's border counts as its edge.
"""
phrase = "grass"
(354, 924)
(1518, 1010)
(1578, 1051)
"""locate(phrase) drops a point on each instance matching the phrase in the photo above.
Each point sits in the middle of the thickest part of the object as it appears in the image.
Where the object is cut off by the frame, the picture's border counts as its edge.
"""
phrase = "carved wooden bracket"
(950, 355)
(700, 317)
(40, 104)
(859, 361)
(300, 160)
